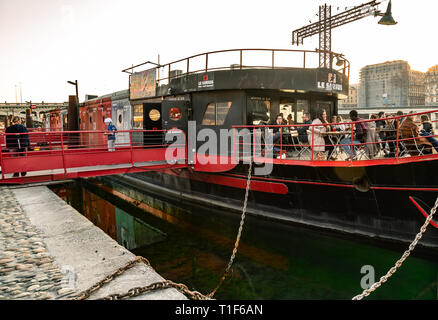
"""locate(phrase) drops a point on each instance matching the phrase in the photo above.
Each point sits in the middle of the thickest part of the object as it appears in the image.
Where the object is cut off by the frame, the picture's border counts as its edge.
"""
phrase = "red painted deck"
(60, 155)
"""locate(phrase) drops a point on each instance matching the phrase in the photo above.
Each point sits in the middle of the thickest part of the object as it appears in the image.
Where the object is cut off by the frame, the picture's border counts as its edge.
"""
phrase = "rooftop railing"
(239, 59)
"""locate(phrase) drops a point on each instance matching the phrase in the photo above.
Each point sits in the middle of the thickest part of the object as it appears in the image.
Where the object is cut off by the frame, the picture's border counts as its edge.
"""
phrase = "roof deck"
(276, 69)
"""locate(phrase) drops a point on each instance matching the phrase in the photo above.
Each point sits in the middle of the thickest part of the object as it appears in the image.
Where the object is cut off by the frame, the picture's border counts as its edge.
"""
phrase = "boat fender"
(361, 184)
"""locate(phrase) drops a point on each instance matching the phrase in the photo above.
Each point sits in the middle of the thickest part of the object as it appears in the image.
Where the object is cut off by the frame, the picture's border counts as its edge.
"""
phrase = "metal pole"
(3, 138)
(131, 148)
(351, 145)
(77, 105)
(63, 156)
(397, 139)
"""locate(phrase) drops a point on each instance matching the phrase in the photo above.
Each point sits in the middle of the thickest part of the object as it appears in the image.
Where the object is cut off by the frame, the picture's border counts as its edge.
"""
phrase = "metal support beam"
(325, 36)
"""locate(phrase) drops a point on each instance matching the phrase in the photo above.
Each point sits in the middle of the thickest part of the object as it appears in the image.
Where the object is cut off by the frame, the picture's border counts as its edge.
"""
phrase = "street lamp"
(29, 123)
(75, 83)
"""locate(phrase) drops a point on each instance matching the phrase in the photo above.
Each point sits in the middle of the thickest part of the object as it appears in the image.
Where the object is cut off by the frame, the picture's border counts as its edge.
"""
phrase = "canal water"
(192, 245)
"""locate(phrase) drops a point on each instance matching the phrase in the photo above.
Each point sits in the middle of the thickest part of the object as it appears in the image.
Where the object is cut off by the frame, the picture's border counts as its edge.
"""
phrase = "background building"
(351, 101)
(432, 86)
(391, 84)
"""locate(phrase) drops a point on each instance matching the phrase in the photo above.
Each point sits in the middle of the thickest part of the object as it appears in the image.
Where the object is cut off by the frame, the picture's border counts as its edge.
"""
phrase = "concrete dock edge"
(84, 250)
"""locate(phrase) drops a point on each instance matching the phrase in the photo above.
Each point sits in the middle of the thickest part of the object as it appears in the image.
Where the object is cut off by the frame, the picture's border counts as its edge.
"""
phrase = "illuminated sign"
(142, 84)
(331, 83)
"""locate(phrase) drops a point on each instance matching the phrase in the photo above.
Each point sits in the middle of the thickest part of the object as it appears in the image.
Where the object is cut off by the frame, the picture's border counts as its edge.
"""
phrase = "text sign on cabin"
(330, 81)
(206, 81)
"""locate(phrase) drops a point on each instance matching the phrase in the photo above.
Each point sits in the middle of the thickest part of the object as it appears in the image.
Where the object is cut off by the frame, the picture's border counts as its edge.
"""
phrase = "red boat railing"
(337, 143)
(71, 154)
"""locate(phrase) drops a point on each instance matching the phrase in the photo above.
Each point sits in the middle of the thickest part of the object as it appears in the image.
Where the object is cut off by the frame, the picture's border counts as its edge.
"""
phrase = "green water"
(193, 245)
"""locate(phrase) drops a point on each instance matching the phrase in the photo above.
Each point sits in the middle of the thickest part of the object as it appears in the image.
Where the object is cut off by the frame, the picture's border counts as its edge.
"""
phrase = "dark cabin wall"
(235, 116)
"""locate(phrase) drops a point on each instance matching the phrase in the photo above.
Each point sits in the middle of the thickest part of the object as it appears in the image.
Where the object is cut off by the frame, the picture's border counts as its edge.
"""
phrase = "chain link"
(239, 233)
(195, 295)
(399, 263)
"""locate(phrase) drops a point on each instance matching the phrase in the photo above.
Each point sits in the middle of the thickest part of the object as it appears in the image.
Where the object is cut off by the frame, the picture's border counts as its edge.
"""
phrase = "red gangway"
(40, 156)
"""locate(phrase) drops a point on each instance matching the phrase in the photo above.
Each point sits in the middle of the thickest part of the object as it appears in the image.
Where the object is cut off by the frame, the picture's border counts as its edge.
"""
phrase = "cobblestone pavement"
(27, 271)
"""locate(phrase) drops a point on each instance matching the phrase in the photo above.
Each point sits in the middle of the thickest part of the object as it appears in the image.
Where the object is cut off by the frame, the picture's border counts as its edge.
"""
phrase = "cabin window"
(327, 106)
(259, 109)
(216, 113)
(175, 114)
(288, 107)
(154, 115)
(302, 107)
(138, 116)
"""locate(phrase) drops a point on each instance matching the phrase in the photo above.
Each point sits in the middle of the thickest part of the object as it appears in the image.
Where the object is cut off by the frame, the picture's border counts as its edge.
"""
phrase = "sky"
(46, 43)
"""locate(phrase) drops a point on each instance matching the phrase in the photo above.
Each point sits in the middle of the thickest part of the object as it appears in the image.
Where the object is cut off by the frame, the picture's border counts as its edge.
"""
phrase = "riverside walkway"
(48, 250)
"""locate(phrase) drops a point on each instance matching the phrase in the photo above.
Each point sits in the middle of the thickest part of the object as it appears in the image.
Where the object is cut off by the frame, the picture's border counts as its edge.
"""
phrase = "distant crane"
(327, 22)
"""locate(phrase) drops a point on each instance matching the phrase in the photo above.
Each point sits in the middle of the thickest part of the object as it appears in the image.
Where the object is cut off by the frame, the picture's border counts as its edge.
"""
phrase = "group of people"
(373, 136)
(415, 137)
(19, 143)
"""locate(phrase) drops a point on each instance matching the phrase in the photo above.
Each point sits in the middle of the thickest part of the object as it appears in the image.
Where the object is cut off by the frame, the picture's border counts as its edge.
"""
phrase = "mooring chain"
(399, 263)
(138, 290)
(239, 233)
(195, 295)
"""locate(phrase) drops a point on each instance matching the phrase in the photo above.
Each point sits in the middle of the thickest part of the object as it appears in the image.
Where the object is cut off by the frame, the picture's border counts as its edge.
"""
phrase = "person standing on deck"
(17, 144)
(315, 135)
(111, 134)
(359, 135)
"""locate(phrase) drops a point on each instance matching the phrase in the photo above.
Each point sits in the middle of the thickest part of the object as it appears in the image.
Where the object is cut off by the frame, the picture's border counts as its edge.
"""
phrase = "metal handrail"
(351, 125)
(345, 69)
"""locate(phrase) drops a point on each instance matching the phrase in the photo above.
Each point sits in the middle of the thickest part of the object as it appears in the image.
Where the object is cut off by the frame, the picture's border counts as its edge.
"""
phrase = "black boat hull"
(375, 201)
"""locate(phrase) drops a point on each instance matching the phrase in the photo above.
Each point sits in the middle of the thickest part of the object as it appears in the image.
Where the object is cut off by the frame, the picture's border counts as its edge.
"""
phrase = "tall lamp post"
(73, 123)
(75, 83)
(29, 121)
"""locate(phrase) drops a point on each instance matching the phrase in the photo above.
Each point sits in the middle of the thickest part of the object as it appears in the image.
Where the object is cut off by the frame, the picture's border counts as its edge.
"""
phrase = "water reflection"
(192, 245)
(128, 231)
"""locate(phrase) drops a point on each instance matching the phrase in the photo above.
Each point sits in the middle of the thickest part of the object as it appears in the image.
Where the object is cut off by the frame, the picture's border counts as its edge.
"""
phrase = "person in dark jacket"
(302, 131)
(359, 135)
(17, 143)
(427, 131)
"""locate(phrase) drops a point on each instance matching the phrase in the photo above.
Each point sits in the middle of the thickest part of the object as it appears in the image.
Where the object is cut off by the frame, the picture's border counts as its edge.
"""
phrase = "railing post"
(281, 142)
(234, 144)
(273, 63)
(304, 60)
(397, 140)
(2, 137)
(131, 148)
(206, 62)
(63, 155)
(313, 142)
(186, 150)
(241, 59)
(351, 142)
